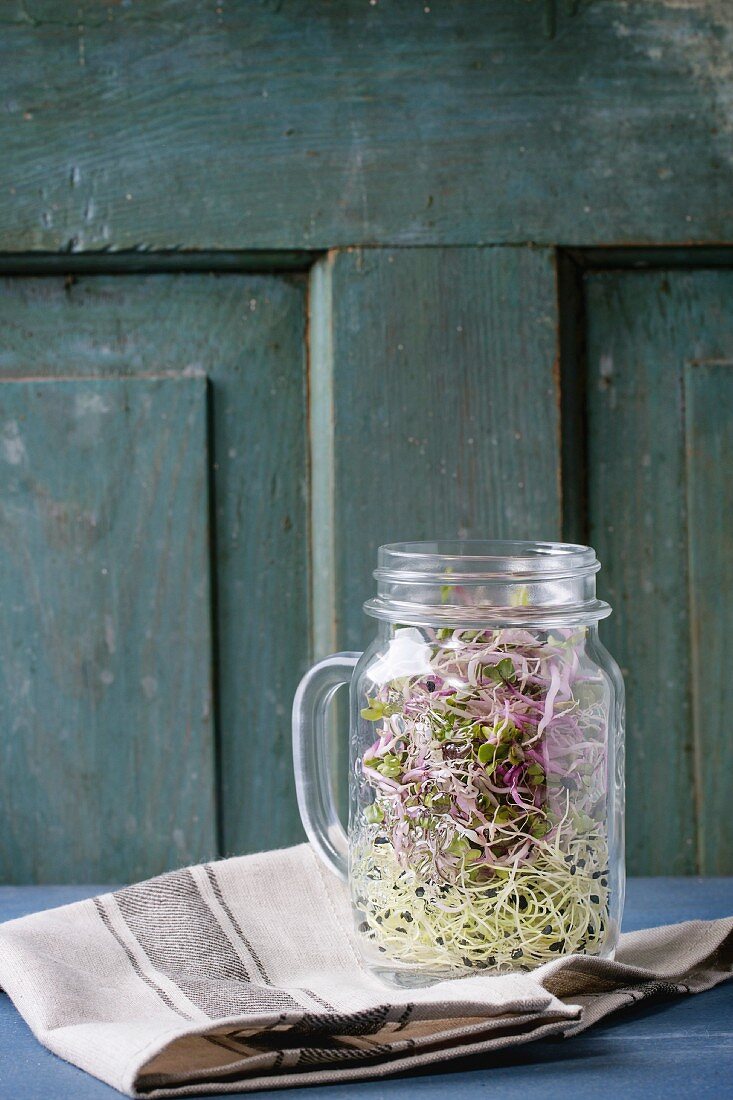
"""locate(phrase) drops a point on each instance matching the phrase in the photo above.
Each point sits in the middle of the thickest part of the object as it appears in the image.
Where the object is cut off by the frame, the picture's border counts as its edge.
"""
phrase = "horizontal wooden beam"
(310, 124)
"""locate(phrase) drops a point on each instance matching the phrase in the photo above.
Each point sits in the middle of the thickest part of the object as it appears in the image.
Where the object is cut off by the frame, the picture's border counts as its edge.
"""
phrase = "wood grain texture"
(314, 123)
(444, 406)
(709, 451)
(642, 328)
(106, 710)
(246, 334)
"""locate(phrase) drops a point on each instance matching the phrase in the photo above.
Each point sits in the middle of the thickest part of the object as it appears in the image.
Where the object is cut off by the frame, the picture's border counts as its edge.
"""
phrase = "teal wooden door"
(284, 281)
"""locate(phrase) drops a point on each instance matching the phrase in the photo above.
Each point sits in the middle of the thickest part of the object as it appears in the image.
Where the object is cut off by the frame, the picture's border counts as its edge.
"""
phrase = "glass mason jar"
(486, 762)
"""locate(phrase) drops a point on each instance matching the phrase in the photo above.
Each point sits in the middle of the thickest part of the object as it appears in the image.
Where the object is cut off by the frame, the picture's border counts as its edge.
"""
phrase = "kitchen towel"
(243, 974)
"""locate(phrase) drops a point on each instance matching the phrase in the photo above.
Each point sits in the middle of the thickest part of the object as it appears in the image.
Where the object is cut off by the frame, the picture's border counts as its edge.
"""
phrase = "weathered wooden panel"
(107, 743)
(246, 333)
(314, 123)
(435, 371)
(642, 328)
(709, 416)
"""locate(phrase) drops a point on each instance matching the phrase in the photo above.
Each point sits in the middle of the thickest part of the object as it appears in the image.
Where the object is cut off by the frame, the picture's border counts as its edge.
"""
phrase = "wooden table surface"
(665, 1049)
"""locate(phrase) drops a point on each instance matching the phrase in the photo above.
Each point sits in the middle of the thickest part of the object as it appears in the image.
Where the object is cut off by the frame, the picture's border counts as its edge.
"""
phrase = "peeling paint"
(702, 49)
(13, 447)
(86, 403)
(109, 634)
(149, 685)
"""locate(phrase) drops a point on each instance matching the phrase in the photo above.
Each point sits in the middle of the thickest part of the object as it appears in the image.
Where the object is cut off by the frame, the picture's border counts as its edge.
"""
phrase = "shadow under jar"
(486, 762)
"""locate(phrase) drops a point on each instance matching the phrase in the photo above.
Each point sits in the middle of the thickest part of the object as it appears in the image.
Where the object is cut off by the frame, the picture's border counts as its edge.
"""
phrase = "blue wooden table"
(666, 1049)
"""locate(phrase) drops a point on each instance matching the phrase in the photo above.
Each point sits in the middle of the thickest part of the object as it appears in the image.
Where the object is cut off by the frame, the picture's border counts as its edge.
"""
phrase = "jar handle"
(311, 759)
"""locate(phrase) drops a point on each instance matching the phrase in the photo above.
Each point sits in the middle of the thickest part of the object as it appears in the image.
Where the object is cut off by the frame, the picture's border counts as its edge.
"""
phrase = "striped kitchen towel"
(243, 974)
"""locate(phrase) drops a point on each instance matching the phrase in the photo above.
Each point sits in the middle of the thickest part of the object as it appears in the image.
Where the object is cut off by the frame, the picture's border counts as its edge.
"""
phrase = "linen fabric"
(244, 974)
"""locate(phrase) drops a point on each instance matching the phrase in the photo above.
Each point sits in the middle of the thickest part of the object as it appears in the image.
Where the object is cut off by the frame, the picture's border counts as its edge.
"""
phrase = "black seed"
(491, 961)
(379, 920)
(604, 882)
(402, 930)
(420, 892)
(573, 869)
(581, 863)
(595, 899)
(591, 930)
(517, 953)
(523, 903)
(388, 912)
(556, 946)
(596, 874)
(380, 840)
(491, 893)
(547, 930)
(430, 685)
(363, 927)
(568, 859)
(382, 948)
(407, 917)
(467, 962)
(440, 940)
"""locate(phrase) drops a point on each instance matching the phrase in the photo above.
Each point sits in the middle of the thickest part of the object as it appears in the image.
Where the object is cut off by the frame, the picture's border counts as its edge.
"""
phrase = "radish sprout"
(483, 843)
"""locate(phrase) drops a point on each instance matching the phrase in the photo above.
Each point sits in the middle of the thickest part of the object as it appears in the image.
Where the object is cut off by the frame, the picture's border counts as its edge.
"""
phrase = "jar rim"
(486, 559)
(472, 581)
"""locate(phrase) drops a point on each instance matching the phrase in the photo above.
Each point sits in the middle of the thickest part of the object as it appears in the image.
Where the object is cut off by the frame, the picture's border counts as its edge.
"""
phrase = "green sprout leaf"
(516, 753)
(536, 774)
(438, 801)
(486, 753)
(377, 710)
(374, 814)
(520, 596)
(459, 846)
(389, 766)
(505, 668)
(503, 672)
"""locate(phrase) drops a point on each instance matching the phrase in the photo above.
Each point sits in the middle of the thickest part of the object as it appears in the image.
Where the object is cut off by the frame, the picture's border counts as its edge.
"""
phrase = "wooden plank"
(637, 525)
(709, 420)
(440, 374)
(642, 327)
(310, 124)
(246, 333)
(262, 559)
(107, 746)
